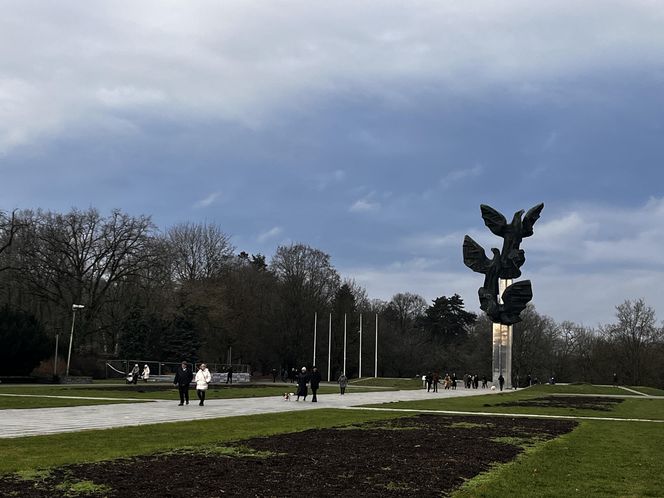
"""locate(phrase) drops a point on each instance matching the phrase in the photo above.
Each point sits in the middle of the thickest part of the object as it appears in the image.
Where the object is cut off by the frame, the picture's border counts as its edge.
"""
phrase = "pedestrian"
(203, 378)
(343, 382)
(435, 380)
(302, 381)
(229, 375)
(501, 381)
(615, 379)
(454, 381)
(429, 381)
(292, 375)
(183, 377)
(529, 380)
(484, 382)
(314, 381)
(134, 374)
(146, 373)
(274, 375)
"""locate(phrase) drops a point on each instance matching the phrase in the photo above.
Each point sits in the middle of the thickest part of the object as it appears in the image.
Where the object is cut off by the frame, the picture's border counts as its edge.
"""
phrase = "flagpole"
(344, 372)
(315, 323)
(360, 368)
(376, 353)
(329, 347)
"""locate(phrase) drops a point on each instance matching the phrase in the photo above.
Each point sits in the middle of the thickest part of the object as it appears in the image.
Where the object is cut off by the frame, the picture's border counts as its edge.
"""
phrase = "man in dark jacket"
(183, 377)
(314, 381)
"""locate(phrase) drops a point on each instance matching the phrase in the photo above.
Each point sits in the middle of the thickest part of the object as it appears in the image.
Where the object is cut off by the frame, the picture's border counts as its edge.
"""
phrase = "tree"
(447, 320)
(24, 342)
(80, 257)
(199, 250)
(8, 228)
(633, 338)
(307, 284)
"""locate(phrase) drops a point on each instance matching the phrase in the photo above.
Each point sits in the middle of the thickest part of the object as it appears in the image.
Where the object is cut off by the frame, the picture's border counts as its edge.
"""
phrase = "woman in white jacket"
(203, 378)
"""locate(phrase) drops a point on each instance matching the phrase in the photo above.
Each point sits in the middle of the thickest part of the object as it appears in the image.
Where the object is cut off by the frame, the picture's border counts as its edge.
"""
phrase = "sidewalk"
(39, 421)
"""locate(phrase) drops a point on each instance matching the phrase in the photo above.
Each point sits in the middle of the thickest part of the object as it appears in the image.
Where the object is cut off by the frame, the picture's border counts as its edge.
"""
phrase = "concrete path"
(39, 421)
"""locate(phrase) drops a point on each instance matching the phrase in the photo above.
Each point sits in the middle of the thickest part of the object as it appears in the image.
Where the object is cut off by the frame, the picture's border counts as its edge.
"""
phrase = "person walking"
(183, 377)
(203, 378)
(229, 375)
(134, 374)
(343, 382)
(435, 381)
(501, 381)
(315, 383)
(146, 373)
(274, 375)
(302, 381)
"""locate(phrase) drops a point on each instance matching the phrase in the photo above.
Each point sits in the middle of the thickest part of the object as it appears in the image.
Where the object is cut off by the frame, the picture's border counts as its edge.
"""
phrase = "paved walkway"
(38, 421)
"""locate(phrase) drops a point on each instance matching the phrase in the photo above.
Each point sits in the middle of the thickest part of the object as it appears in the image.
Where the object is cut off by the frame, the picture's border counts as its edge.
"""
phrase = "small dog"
(287, 396)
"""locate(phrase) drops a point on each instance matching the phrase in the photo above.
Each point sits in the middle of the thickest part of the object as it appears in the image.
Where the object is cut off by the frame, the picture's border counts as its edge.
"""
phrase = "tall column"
(502, 346)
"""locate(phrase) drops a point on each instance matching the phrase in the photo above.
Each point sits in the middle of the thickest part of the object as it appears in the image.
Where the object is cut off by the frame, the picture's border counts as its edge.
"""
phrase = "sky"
(369, 130)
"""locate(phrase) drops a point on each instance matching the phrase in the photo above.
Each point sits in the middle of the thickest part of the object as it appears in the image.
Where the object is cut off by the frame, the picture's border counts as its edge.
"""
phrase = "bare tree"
(308, 283)
(633, 337)
(198, 250)
(80, 256)
(9, 226)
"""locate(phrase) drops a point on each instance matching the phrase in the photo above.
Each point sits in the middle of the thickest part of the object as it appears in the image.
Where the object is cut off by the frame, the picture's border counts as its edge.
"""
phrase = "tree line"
(187, 293)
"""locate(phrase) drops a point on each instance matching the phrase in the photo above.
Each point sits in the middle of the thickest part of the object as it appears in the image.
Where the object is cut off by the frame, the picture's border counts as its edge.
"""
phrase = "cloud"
(460, 174)
(208, 200)
(269, 234)
(364, 206)
(245, 62)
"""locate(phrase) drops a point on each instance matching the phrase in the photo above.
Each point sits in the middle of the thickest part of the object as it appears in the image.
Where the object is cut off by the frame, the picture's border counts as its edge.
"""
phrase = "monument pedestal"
(502, 347)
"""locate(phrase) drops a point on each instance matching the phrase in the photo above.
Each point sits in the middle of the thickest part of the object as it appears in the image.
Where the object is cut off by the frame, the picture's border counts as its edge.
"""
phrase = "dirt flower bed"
(578, 402)
(425, 455)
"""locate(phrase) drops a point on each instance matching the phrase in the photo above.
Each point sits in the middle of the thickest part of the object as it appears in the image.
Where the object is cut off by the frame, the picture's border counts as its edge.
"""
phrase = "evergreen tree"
(24, 342)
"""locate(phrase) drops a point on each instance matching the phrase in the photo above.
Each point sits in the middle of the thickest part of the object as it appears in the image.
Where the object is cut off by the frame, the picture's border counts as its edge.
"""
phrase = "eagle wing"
(530, 218)
(474, 256)
(493, 219)
(515, 298)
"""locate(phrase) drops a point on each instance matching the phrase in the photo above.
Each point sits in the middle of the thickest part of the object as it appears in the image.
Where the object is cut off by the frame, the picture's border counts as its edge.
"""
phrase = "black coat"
(183, 377)
(315, 379)
(302, 379)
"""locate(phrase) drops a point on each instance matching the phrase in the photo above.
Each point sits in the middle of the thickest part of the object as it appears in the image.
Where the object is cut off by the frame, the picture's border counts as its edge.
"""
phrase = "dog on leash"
(288, 396)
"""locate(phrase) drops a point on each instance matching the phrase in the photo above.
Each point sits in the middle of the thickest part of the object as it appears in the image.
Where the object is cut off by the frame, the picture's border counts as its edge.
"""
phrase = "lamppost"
(74, 307)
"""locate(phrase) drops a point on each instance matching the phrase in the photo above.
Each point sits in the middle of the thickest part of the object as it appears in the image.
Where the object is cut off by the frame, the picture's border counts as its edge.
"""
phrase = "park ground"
(579, 440)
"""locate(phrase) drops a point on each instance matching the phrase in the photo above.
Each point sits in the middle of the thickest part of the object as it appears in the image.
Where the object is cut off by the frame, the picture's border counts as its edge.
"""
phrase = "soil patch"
(603, 404)
(425, 455)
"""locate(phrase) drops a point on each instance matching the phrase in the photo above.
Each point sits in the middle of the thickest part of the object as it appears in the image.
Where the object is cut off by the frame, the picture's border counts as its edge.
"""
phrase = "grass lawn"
(36, 452)
(139, 392)
(390, 383)
(650, 391)
(599, 458)
(636, 407)
(7, 402)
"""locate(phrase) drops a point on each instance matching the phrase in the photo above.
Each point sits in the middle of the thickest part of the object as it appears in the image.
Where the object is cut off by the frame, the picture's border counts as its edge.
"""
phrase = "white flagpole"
(329, 347)
(376, 353)
(360, 369)
(344, 344)
(315, 323)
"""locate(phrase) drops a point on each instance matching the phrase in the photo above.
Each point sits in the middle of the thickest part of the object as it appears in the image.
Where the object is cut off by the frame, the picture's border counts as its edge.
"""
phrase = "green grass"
(650, 391)
(576, 389)
(392, 383)
(10, 402)
(636, 407)
(38, 452)
(138, 392)
(599, 458)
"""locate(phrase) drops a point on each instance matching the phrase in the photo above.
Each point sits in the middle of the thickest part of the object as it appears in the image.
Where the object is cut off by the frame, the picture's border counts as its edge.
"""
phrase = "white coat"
(203, 377)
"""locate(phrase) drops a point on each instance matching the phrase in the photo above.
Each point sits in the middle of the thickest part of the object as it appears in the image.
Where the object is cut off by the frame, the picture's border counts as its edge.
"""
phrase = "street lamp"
(74, 307)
